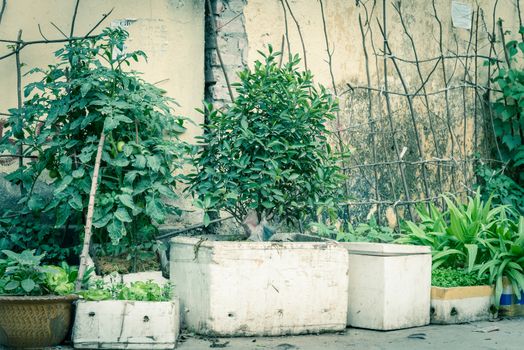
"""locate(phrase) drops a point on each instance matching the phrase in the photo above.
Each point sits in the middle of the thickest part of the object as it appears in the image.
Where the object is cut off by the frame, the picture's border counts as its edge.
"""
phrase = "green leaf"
(127, 200)
(11, 285)
(472, 255)
(28, 285)
(63, 184)
(76, 202)
(122, 215)
(116, 230)
(78, 173)
(110, 124)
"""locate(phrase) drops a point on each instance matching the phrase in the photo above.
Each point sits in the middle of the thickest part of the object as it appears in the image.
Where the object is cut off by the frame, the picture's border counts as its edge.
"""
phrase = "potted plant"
(35, 301)
(137, 315)
(267, 156)
(473, 238)
(458, 296)
(266, 160)
(89, 102)
(505, 266)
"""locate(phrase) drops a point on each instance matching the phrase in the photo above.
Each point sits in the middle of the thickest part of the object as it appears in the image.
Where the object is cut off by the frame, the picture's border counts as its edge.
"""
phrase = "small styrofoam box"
(122, 324)
(260, 288)
(389, 285)
(461, 304)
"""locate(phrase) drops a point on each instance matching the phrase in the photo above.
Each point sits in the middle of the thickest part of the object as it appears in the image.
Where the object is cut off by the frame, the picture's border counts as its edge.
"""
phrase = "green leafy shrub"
(138, 291)
(505, 244)
(23, 274)
(475, 237)
(27, 230)
(509, 111)
(448, 277)
(89, 92)
(269, 152)
(457, 236)
(501, 188)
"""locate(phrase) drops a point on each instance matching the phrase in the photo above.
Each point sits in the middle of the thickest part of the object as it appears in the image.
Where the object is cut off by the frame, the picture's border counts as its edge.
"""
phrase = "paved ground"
(499, 335)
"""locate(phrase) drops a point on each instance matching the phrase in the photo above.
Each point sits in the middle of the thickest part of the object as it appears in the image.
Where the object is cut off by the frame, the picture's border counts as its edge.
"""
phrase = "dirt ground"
(499, 335)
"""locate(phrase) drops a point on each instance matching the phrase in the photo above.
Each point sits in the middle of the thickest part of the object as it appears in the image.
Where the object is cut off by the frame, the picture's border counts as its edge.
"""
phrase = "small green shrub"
(269, 152)
(447, 277)
(457, 236)
(475, 237)
(501, 188)
(505, 244)
(27, 230)
(23, 274)
(138, 291)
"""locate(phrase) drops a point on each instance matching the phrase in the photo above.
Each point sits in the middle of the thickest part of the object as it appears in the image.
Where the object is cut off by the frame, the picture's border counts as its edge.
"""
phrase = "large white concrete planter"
(121, 324)
(461, 304)
(260, 288)
(389, 285)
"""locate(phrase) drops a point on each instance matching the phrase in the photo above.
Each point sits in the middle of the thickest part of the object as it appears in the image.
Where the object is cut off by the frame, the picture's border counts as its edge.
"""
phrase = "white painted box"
(260, 288)
(122, 324)
(389, 285)
(461, 304)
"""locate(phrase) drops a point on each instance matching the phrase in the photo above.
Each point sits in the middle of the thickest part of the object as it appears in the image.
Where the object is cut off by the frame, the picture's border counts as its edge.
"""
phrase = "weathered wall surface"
(447, 119)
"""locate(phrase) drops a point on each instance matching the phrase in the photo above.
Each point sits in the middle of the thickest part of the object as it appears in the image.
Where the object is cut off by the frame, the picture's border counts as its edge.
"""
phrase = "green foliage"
(23, 274)
(89, 92)
(138, 291)
(475, 237)
(505, 244)
(457, 235)
(509, 107)
(500, 187)
(269, 151)
(28, 230)
(363, 232)
(61, 279)
(448, 277)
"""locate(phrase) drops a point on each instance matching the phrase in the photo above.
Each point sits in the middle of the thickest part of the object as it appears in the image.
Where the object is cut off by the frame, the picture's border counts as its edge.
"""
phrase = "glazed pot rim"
(38, 298)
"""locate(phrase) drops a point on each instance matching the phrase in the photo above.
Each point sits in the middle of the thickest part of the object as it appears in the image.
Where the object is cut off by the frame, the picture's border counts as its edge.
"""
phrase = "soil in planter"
(121, 264)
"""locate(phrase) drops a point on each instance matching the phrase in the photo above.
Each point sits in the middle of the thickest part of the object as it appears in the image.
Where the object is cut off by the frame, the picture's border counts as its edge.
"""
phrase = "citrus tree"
(268, 153)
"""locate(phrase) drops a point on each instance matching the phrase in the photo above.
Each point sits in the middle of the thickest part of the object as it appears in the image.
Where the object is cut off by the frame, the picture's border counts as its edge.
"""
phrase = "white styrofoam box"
(260, 288)
(122, 324)
(461, 304)
(389, 285)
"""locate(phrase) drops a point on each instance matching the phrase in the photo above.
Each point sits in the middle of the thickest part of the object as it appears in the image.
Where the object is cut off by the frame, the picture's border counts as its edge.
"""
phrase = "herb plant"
(23, 274)
(89, 92)
(448, 277)
(269, 152)
(138, 291)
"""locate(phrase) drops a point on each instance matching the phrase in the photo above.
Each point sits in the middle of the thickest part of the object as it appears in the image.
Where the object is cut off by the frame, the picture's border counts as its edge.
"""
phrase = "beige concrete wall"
(170, 32)
(265, 24)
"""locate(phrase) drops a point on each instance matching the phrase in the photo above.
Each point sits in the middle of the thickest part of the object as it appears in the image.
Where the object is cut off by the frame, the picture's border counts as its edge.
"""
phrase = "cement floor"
(499, 335)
